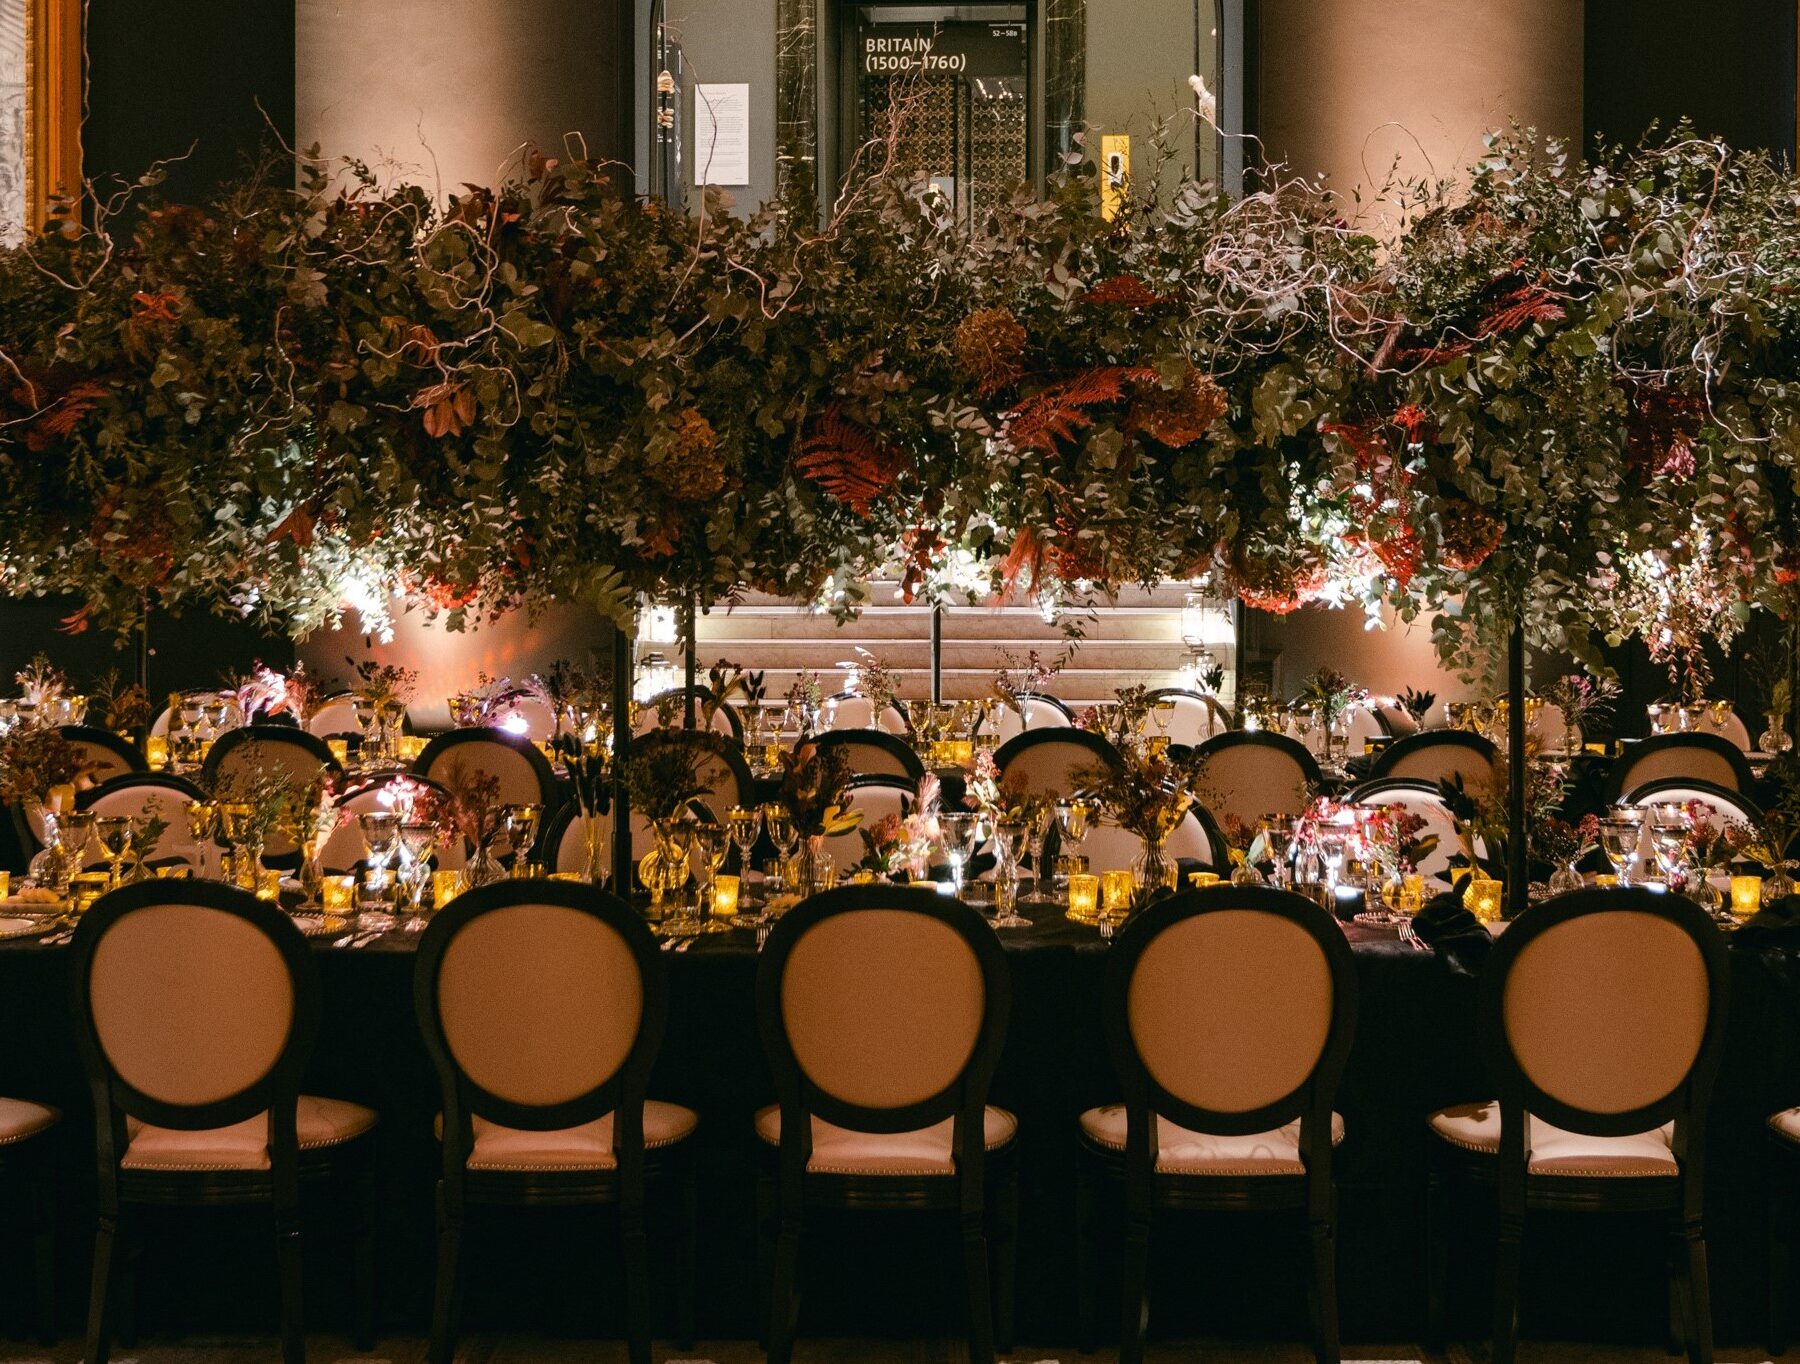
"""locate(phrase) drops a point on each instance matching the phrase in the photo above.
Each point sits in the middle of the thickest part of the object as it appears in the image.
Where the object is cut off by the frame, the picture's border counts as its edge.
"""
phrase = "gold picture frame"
(53, 103)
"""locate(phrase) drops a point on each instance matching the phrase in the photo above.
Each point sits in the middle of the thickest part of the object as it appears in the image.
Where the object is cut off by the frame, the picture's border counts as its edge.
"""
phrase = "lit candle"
(1746, 896)
(445, 887)
(1483, 899)
(268, 883)
(1412, 893)
(340, 894)
(1117, 890)
(724, 897)
(1200, 880)
(156, 752)
(1605, 880)
(340, 751)
(1084, 896)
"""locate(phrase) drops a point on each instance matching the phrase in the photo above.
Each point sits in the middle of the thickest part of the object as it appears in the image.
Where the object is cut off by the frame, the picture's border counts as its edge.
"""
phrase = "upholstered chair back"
(1053, 760)
(1252, 775)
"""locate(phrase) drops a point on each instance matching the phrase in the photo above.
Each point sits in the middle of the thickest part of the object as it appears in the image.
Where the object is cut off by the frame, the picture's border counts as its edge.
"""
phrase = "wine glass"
(958, 830)
(417, 843)
(519, 823)
(367, 713)
(711, 846)
(203, 829)
(743, 825)
(1333, 844)
(1010, 839)
(1669, 841)
(113, 832)
(381, 836)
(1037, 830)
(1619, 838)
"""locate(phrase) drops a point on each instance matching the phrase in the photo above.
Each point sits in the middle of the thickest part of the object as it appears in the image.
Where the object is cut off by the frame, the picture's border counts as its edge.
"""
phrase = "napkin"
(1776, 924)
(1457, 937)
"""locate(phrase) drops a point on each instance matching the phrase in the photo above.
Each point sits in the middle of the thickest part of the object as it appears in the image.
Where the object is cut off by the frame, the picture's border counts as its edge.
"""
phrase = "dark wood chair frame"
(550, 790)
(1262, 738)
(161, 781)
(95, 737)
(1041, 699)
(1724, 794)
(1423, 742)
(346, 1166)
(891, 744)
(1212, 703)
(1518, 1191)
(786, 1190)
(1719, 747)
(291, 735)
(1782, 1180)
(623, 1095)
(28, 1170)
(1313, 1194)
(1097, 744)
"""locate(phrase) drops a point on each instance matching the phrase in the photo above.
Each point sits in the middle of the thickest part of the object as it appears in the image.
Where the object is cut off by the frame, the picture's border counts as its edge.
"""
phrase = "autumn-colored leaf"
(847, 460)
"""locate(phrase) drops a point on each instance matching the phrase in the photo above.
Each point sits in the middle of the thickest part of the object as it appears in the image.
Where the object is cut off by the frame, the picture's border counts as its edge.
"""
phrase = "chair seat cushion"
(840, 1151)
(1183, 1152)
(1476, 1127)
(21, 1120)
(587, 1147)
(242, 1146)
(1784, 1124)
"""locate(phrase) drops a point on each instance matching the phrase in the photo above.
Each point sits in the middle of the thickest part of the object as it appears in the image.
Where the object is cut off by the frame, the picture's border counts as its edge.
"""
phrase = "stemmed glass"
(519, 823)
(381, 836)
(234, 820)
(711, 846)
(203, 829)
(783, 834)
(113, 832)
(1278, 838)
(1072, 818)
(367, 713)
(417, 843)
(1037, 829)
(959, 831)
(1619, 837)
(743, 825)
(1669, 840)
(1010, 837)
(1332, 847)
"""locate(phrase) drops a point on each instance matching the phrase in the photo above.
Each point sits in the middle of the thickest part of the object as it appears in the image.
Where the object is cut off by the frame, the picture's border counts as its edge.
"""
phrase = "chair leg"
(975, 1280)
(784, 1297)
(1324, 1290)
(1778, 1208)
(688, 1273)
(635, 1248)
(106, 1250)
(446, 1294)
(128, 1297)
(1699, 1296)
(293, 1314)
(765, 1253)
(1006, 1256)
(1087, 1256)
(1134, 1269)
(1506, 1285)
(1437, 1259)
(43, 1244)
(1681, 1305)
(363, 1259)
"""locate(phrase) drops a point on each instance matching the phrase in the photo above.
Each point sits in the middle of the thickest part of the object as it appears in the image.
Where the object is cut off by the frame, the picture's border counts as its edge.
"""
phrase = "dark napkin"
(1457, 937)
(1776, 924)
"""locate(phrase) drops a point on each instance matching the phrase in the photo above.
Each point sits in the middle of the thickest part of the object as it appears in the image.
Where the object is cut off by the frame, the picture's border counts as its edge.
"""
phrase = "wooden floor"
(502, 1350)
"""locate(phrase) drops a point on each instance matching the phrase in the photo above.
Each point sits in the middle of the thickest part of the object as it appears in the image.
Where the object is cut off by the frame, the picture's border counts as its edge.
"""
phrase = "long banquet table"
(553, 1271)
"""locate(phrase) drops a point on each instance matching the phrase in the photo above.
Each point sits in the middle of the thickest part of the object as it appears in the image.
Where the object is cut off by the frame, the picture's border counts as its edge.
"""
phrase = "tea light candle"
(411, 746)
(1746, 896)
(1483, 899)
(1412, 893)
(1117, 890)
(268, 883)
(1200, 880)
(445, 887)
(340, 894)
(340, 751)
(156, 752)
(724, 897)
(1084, 895)
(1606, 880)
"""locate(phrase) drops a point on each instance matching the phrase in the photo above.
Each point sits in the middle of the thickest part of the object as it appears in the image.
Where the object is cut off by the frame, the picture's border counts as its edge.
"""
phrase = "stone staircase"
(1136, 639)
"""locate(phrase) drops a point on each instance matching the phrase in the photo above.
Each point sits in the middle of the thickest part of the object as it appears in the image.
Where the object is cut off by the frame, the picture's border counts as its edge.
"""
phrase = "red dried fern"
(846, 460)
(1059, 412)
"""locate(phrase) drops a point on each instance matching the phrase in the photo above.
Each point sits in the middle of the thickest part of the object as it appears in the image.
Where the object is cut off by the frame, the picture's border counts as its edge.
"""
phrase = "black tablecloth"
(548, 1271)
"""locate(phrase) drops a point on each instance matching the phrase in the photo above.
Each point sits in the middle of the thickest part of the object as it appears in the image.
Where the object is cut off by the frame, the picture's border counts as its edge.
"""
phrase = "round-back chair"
(239, 756)
(725, 720)
(335, 718)
(876, 798)
(1107, 847)
(1251, 773)
(851, 711)
(1419, 798)
(882, 1011)
(1046, 713)
(196, 1006)
(344, 848)
(524, 773)
(1436, 755)
(103, 754)
(874, 754)
(1733, 807)
(1197, 716)
(543, 1006)
(1394, 722)
(1053, 760)
(1229, 1013)
(160, 795)
(1695, 757)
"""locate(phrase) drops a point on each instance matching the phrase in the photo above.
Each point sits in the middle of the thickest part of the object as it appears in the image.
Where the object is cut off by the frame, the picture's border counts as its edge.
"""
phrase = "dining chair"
(1729, 727)
(102, 753)
(1726, 804)
(1196, 716)
(882, 1011)
(872, 753)
(673, 705)
(28, 1184)
(1601, 1019)
(1250, 773)
(875, 799)
(1698, 757)
(239, 757)
(158, 794)
(1196, 838)
(1394, 722)
(196, 1007)
(1420, 798)
(344, 849)
(848, 710)
(1054, 760)
(1229, 1014)
(335, 718)
(543, 1006)
(1436, 755)
(1047, 712)
(524, 773)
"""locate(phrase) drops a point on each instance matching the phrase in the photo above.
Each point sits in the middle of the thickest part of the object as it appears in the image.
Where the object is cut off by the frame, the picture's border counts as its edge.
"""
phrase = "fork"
(1410, 936)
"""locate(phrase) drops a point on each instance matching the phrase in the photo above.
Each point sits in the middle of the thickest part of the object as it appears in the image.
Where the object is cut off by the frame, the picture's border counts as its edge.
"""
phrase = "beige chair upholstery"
(1221, 1037)
(531, 716)
(1692, 764)
(1476, 1127)
(517, 776)
(1723, 809)
(1043, 716)
(336, 716)
(1052, 767)
(858, 712)
(571, 851)
(887, 1037)
(1252, 780)
(190, 1004)
(1182, 1152)
(1363, 727)
(587, 1147)
(871, 760)
(1397, 721)
(1732, 728)
(20, 1120)
(840, 1151)
(99, 763)
(876, 803)
(1110, 848)
(1196, 719)
(166, 805)
(1442, 762)
(240, 766)
(540, 1004)
(245, 1145)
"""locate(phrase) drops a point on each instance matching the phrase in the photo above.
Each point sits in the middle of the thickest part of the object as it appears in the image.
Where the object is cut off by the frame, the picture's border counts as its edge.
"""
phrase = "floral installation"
(1146, 794)
(383, 684)
(1330, 696)
(1398, 836)
(263, 694)
(576, 696)
(806, 696)
(471, 807)
(1001, 799)
(117, 705)
(487, 703)
(1713, 842)
(663, 779)
(1563, 844)
(1581, 699)
(1018, 680)
(813, 790)
(35, 759)
(874, 681)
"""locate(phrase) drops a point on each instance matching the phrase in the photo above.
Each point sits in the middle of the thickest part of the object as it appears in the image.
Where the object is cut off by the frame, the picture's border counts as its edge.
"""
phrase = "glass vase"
(483, 868)
(1565, 879)
(598, 847)
(1154, 872)
(1775, 739)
